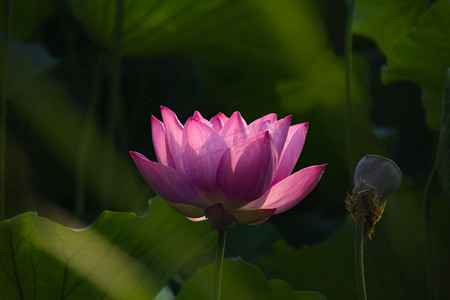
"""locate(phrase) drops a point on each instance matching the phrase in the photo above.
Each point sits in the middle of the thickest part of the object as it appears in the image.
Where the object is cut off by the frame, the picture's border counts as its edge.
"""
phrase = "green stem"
(3, 94)
(348, 87)
(74, 64)
(219, 263)
(86, 139)
(359, 258)
(114, 91)
(114, 98)
(429, 254)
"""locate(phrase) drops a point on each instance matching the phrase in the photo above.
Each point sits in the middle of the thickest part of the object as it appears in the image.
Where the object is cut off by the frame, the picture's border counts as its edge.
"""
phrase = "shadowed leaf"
(385, 21)
(241, 280)
(422, 55)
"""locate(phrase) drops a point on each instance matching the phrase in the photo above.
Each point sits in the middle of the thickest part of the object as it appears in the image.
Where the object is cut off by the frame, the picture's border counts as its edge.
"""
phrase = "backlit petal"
(167, 182)
(218, 121)
(174, 136)
(246, 170)
(198, 116)
(187, 210)
(235, 130)
(254, 216)
(223, 117)
(198, 219)
(202, 149)
(279, 131)
(261, 124)
(291, 152)
(290, 191)
(159, 143)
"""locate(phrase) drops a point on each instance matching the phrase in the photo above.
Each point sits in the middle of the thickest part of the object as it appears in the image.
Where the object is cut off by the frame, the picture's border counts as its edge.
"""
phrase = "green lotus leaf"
(386, 20)
(120, 256)
(241, 280)
(422, 55)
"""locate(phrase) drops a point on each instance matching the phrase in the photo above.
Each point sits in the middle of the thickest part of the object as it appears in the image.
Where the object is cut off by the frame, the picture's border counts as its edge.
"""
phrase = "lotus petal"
(169, 183)
(159, 142)
(293, 147)
(290, 191)
(279, 131)
(262, 124)
(252, 216)
(246, 170)
(203, 148)
(234, 130)
(190, 211)
(198, 116)
(174, 136)
(218, 121)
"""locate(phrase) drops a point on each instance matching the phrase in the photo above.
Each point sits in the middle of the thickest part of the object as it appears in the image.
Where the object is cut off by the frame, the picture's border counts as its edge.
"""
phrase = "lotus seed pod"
(378, 173)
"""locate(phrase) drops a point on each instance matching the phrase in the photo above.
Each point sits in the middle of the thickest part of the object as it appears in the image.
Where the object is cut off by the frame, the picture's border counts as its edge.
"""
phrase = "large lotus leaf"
(26, 16)
(252, 32)
(327, 268)
(386, 20)
(241, 280)
(269, 41)
(443, 155)
(120, 256)
(394, 261)
(422, 55)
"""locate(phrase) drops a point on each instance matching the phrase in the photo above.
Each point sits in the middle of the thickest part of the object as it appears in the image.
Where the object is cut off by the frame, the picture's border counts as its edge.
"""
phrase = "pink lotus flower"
(225, 170)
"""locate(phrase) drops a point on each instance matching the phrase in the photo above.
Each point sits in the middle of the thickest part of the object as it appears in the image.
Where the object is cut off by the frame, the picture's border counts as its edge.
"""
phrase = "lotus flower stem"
(429, 253)
(114, 93)
(4, 80)
(219, 263)
(348, 85)
(359, 258)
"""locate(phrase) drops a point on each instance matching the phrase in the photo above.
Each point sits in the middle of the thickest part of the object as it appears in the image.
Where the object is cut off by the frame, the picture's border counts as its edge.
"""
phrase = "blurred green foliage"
(28, 15)
(225, 55)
